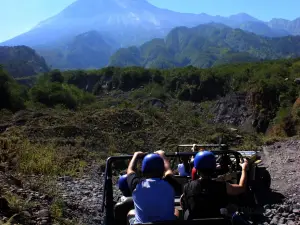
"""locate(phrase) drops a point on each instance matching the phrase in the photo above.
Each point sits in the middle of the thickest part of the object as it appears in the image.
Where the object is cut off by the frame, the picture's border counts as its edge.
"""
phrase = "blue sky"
(18, 16)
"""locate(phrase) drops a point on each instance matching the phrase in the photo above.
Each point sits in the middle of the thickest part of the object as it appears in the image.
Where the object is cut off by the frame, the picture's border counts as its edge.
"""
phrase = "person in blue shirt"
(154, 193)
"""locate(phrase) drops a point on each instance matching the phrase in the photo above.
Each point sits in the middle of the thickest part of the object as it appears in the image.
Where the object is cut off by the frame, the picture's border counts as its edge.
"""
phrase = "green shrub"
(51, 94)
(12, 94)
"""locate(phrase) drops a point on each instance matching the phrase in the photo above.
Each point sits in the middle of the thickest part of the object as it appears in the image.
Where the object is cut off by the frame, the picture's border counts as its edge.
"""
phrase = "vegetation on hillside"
(121, 110)
(22, 61)
(205, 46)
(270, 86)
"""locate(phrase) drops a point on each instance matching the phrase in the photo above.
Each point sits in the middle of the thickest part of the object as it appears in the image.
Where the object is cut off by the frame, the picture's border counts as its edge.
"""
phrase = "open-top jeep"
(116, 212)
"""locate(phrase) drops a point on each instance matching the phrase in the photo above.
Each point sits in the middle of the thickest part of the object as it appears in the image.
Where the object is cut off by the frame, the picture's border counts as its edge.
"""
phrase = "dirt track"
(283, 161)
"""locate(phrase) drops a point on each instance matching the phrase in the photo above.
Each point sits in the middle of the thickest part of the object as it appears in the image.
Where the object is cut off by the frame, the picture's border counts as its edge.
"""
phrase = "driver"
(154, 194)
(205, 197)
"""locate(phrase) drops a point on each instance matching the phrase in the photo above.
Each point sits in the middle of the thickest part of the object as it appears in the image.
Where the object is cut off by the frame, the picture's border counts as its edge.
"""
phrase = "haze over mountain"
(121, 23)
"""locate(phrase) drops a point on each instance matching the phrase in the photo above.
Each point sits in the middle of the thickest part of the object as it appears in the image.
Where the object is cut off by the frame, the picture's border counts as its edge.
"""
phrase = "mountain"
(87, 50)
(87, 32)
(205, 46)
(128, 22)
(262, 29)
(22, 61)
(293, 27)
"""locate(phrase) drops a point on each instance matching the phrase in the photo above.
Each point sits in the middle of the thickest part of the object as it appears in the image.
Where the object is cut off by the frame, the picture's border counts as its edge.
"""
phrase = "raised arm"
(132, 165)
(168, 170)
(236, 189)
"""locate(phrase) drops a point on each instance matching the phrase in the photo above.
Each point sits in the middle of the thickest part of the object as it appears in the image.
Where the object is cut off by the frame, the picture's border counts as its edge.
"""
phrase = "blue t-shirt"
(153, 198)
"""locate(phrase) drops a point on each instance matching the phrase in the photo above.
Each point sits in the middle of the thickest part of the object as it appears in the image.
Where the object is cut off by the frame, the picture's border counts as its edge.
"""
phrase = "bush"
(12, 94)
(51, 94)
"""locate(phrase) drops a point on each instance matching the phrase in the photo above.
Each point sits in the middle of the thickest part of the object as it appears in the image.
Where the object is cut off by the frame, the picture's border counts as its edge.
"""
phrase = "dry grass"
(45, 159)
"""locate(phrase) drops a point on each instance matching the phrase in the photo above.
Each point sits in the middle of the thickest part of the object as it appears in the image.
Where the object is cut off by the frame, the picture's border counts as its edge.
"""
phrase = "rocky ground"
(282, 160)
(82, 197)
(282, 206)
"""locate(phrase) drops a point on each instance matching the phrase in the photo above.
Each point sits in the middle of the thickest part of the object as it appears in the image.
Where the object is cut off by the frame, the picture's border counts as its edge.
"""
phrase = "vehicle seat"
(122, 209)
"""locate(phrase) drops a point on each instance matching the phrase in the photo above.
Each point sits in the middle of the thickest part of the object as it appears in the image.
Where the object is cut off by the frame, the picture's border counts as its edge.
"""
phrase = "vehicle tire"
(263, 178)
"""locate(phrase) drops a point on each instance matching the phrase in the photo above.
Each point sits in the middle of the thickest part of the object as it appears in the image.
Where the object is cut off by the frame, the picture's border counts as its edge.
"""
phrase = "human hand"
(194, 148)
(139, 154)
(160, 152)
(245, 165)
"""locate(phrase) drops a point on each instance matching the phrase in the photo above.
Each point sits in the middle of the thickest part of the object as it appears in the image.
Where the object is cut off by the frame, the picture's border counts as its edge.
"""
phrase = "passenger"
(184, 167)
(154, 194)
(194, 174)
(205, 197)
(123, 187)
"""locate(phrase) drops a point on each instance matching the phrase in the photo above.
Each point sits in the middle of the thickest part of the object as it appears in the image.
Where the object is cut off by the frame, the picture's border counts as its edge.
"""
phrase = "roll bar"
(220, 146)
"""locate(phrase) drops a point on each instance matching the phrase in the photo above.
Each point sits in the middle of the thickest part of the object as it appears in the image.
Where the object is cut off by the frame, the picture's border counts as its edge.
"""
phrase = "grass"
(48, 160)
(57, 208)
(18, 204)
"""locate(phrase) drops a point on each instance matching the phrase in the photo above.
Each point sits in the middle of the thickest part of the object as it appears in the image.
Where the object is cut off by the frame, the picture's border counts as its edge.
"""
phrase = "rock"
(14, 181)
(44, 221)
(292, 215)
(268, 213)
(296, 211)
(282, 220)
(26, 214)
(43, 213)
(290, 222)
(97, 219)
(65, 178)
(274, 221)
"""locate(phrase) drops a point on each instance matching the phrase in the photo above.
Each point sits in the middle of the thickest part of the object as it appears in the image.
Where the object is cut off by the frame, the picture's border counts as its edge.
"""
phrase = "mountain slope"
(87, 50)
(22, 61)
(205, 46)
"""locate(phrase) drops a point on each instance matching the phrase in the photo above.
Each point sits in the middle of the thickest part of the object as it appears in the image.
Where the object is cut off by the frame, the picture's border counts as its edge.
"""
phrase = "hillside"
(206, 46)
(22, 61)
(88, 50)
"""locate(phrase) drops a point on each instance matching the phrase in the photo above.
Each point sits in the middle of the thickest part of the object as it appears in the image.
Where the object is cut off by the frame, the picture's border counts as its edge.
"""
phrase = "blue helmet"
(153, 163)
(123, 185)
(205, 160)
